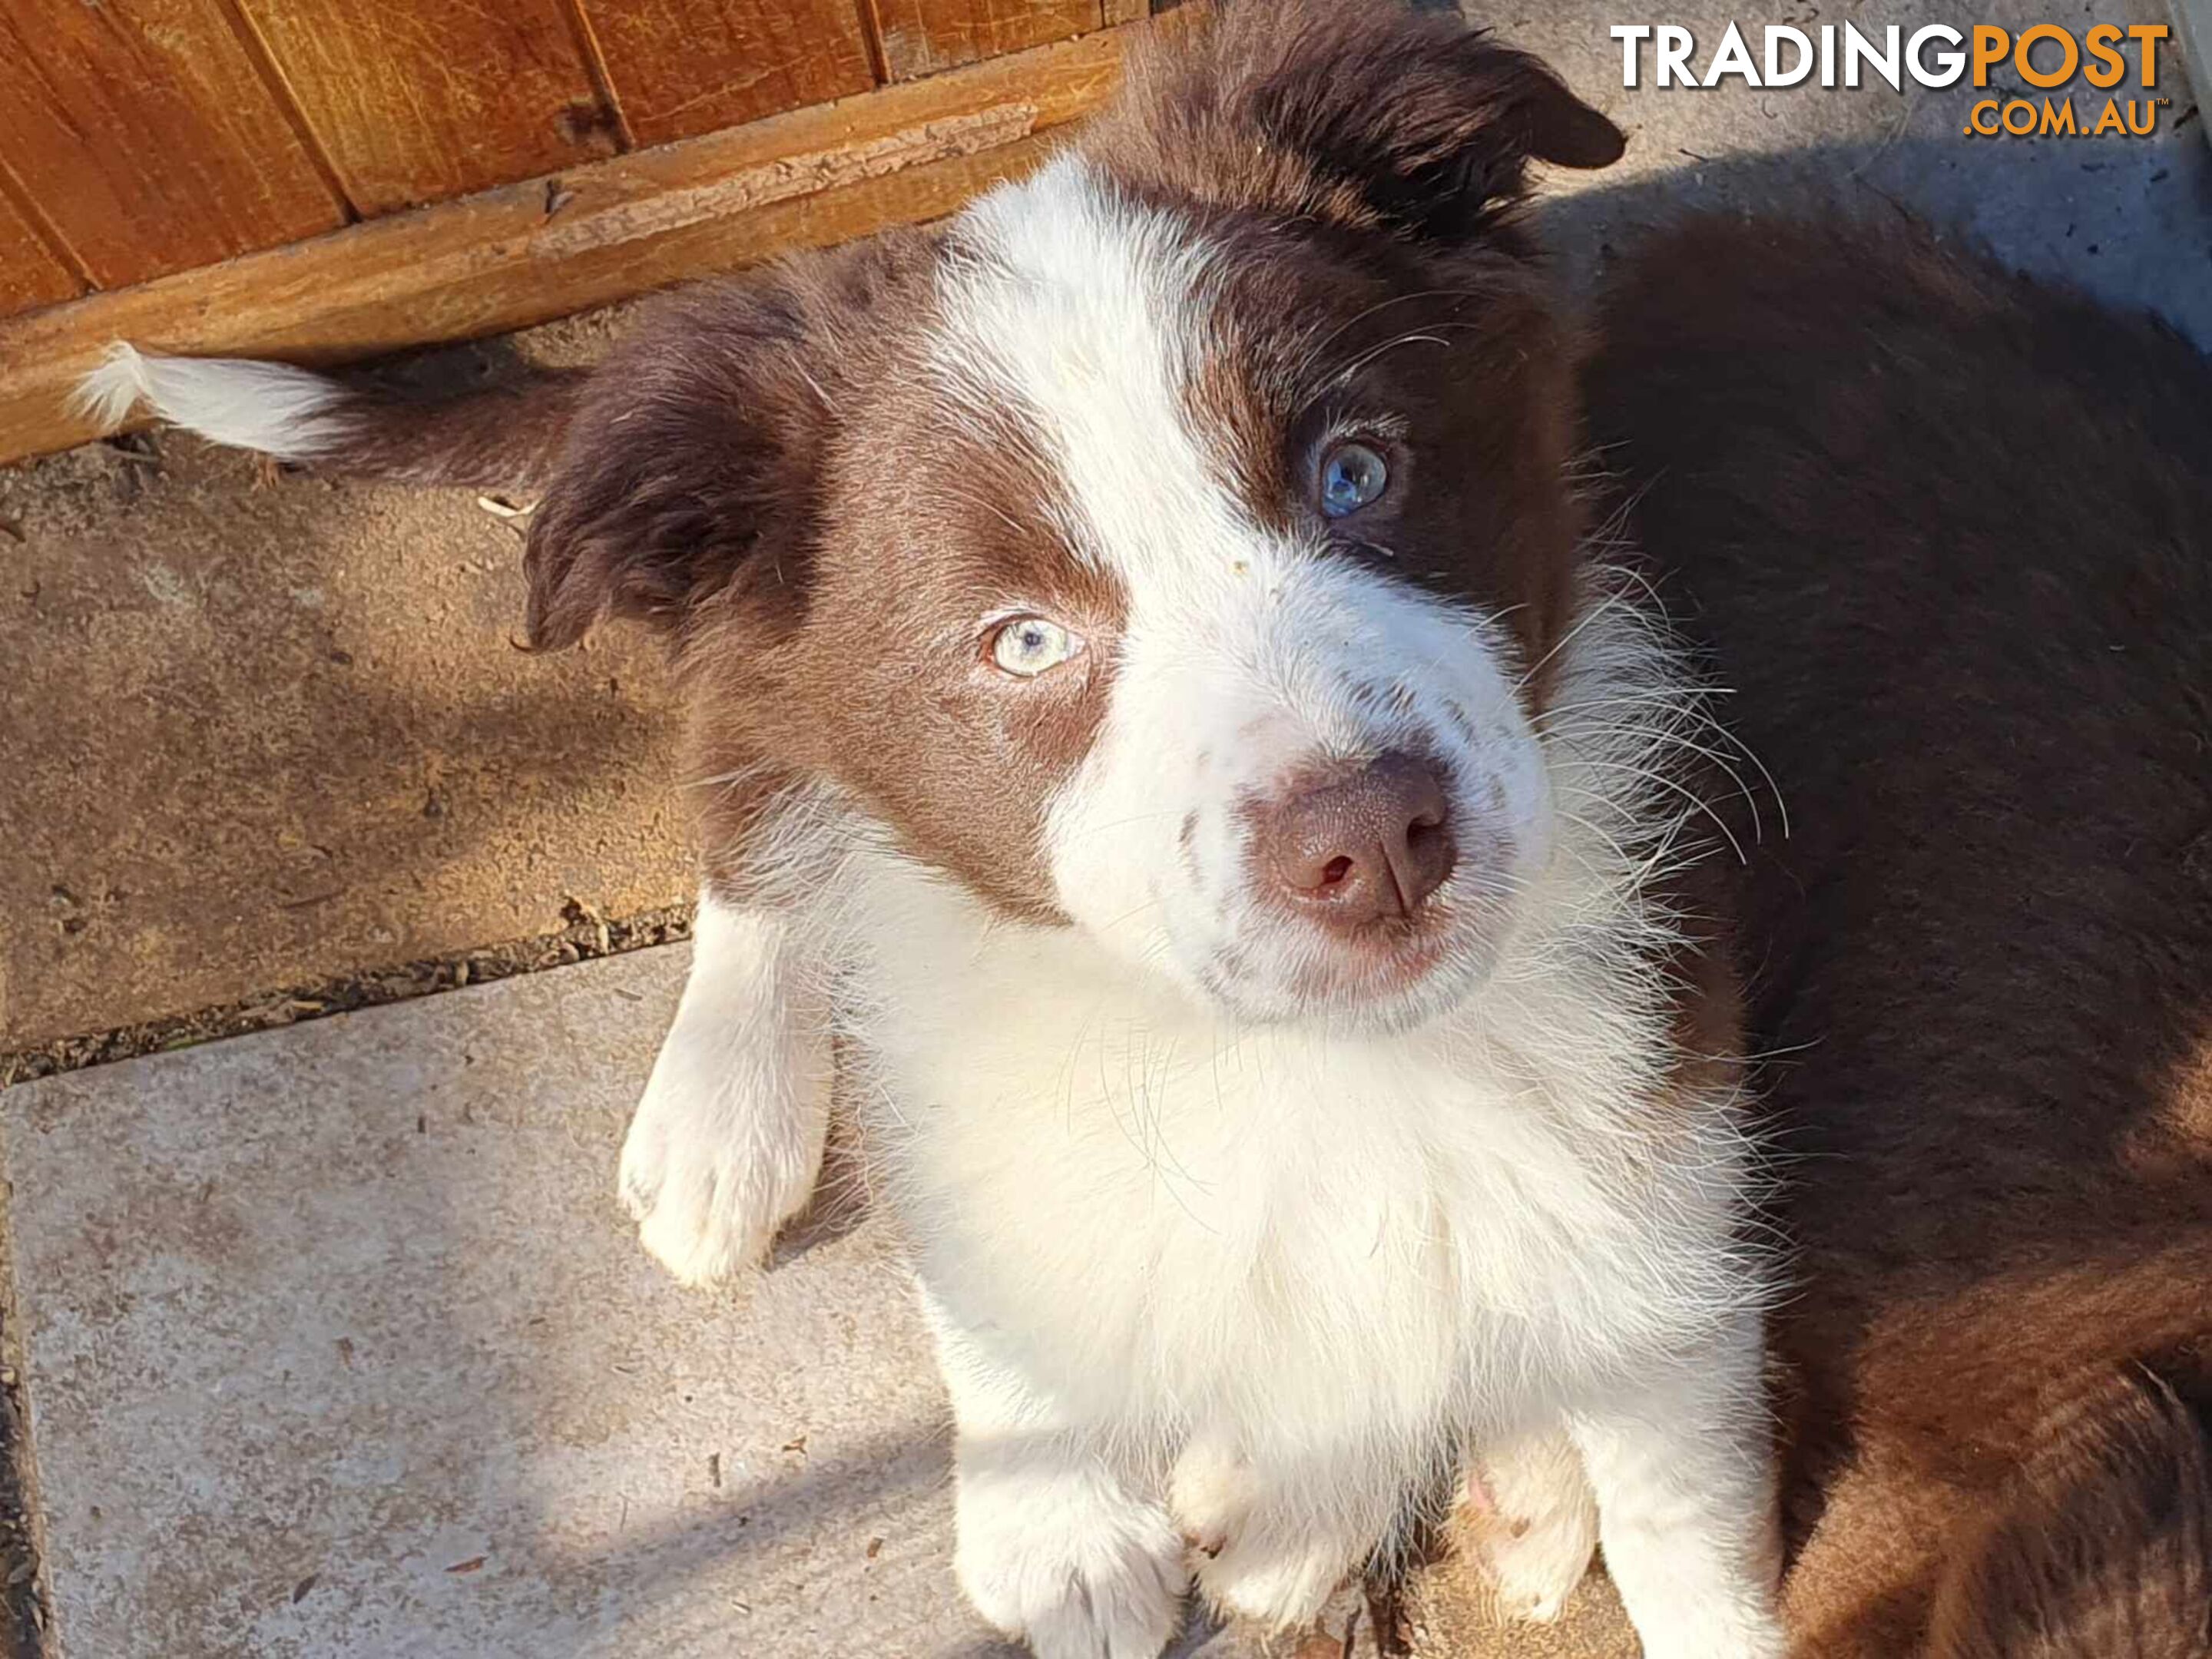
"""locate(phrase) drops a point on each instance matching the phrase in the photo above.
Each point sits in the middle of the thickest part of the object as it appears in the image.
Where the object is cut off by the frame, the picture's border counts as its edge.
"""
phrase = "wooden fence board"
(146, 136)
(30, 275)
(921, 37)
(417, 100)
(529, 252)
(680, 68)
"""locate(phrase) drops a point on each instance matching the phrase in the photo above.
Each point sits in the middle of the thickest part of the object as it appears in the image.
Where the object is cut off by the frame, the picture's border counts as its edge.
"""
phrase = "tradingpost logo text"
(2046, 58)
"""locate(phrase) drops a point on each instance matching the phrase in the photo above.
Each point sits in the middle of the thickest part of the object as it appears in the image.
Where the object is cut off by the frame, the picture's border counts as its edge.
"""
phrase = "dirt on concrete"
(24, 1613)
(263, 731)
(1448, 1609)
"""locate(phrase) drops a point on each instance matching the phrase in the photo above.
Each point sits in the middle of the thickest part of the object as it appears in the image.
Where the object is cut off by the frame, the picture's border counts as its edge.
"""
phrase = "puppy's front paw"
(704, 1212)
(724, 1150)
(1071, 1564)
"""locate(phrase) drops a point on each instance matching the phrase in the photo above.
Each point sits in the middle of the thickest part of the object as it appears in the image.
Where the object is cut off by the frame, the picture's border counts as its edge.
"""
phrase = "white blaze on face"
(1245, 656)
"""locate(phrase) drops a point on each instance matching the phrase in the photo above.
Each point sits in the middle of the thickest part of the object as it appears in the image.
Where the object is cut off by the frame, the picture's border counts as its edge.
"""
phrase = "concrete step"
(335, 1344)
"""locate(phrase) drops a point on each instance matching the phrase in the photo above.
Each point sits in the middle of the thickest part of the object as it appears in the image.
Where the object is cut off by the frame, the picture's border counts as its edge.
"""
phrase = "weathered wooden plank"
(921, 37)
(147, 137)
(417, 100)
(527, 252)
(30, 274)
(680, 68)
(1125, 11)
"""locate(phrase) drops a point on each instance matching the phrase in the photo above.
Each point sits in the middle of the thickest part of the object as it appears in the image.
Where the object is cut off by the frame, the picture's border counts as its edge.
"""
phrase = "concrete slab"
(336, 1344)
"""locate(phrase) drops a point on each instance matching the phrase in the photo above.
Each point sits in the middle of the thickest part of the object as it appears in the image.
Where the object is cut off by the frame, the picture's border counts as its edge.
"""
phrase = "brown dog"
(1951, 533)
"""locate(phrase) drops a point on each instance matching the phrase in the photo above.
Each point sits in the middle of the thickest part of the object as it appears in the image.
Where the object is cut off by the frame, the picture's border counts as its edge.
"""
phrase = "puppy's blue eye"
(1026, 647)
(1351, 475)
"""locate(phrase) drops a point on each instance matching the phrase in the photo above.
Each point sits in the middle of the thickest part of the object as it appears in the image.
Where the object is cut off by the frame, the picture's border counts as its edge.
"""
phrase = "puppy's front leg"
(1681, 1468)
(727, 1141)
(1054, 1546)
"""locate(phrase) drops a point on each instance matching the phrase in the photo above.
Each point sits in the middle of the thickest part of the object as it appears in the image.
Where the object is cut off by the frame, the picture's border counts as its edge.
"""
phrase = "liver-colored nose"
(1364, 849)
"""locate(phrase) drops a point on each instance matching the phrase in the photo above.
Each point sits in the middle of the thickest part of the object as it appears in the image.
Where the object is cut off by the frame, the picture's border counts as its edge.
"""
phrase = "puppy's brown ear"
(690, 478)
(688, 468)
(1353, 110)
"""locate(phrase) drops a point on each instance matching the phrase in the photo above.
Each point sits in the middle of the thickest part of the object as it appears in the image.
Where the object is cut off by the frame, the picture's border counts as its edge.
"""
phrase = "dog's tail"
(497, 437)
(2104, 1547)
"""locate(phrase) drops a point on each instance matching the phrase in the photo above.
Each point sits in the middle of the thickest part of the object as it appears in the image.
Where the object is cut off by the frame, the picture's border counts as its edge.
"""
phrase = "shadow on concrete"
(2130, 224)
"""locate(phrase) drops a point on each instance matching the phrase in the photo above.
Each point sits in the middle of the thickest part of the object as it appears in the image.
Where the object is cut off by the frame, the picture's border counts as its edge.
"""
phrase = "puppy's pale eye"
(1351, 475)
(1026, 647)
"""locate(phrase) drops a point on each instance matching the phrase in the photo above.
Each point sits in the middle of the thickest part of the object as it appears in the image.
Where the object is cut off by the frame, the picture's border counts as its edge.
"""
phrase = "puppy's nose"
(1363, 848)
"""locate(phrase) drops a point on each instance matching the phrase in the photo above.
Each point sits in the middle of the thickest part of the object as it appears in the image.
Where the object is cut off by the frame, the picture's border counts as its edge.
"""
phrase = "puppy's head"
(1172, 545)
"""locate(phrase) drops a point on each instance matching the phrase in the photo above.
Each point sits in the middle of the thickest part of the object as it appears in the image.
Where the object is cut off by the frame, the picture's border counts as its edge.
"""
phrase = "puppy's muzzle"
(1360, 848)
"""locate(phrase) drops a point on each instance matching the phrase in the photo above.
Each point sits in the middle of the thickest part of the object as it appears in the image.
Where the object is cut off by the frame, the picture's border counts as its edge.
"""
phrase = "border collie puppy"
(1950, 535)
(1160, 712)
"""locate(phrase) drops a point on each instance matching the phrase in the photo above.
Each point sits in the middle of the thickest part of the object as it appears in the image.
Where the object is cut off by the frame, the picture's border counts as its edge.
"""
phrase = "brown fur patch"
(887, 688)
(1950, 535)
(691, 468)
(1362, 170)
(506, 436)
(1450, 361)
(2103, 1541)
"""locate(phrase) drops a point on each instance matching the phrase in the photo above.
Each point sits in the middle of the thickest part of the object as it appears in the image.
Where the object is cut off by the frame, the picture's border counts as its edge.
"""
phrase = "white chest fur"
(1182, 1225)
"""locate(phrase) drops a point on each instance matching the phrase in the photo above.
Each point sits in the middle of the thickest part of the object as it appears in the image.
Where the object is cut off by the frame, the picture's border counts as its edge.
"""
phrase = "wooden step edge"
(528, 252)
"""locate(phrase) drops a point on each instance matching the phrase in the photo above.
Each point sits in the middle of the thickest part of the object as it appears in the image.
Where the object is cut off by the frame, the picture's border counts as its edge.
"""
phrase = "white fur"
(727, 1141)
(1202, 1258)
(1679, 1464)
(1531, 1517)
(280, 410)
(1053, 1543)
